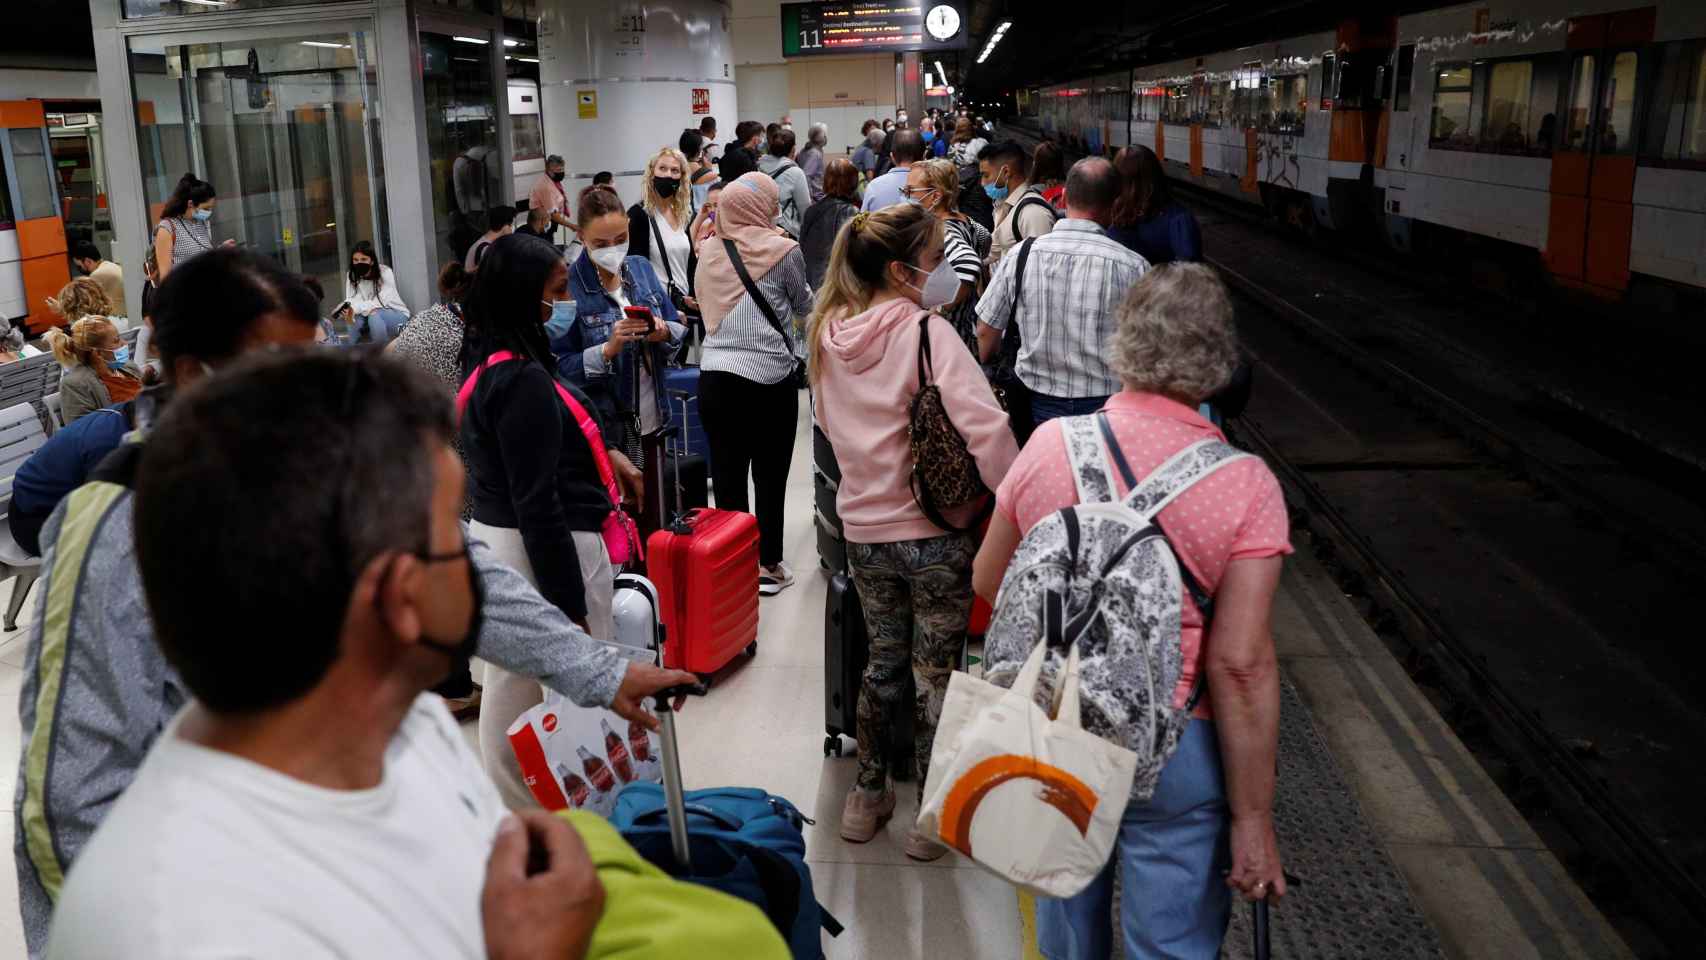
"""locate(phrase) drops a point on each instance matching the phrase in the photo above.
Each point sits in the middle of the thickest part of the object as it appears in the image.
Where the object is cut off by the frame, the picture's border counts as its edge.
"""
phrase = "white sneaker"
(773, 580)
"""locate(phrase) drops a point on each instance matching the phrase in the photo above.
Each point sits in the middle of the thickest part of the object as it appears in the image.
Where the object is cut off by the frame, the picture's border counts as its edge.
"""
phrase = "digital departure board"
(809, 29)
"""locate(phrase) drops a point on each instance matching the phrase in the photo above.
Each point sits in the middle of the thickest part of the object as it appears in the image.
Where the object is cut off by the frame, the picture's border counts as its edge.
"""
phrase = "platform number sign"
(809, 29)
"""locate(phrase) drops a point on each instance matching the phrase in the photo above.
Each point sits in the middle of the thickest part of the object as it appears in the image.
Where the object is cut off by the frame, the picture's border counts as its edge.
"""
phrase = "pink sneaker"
(864, 813)
(922, 846)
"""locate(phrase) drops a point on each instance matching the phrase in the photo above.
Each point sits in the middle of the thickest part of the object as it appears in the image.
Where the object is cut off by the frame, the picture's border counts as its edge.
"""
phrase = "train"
(1571, 131)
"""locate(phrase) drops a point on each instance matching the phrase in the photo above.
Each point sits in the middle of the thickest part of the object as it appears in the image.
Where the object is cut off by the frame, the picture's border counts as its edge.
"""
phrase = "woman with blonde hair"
(80, 298)
(935, 186)
(657, 225)
(97, 365)
(872, 335)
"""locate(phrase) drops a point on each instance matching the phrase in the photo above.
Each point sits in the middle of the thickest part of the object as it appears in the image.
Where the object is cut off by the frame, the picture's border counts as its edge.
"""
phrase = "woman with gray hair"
(810, 159)
(1207, 831)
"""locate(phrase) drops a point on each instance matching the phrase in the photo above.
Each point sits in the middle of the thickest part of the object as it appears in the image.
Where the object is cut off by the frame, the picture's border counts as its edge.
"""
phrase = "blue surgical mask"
(202, 214)
(562, 318)
(121, 356)
(996, 193)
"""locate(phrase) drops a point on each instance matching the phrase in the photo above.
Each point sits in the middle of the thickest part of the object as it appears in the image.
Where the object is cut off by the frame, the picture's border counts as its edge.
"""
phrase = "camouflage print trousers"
(916, 595)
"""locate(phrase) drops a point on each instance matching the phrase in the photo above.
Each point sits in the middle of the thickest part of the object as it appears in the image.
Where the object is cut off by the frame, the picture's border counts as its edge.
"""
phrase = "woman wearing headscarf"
(749, 388)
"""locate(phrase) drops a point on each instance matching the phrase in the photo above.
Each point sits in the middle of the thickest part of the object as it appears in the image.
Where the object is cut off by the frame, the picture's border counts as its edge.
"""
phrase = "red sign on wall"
(701, 100)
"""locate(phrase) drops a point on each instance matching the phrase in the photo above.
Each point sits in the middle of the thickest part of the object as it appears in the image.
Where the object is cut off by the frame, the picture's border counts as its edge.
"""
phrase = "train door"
(1593, 165)
(33, 265)
(1400, 130)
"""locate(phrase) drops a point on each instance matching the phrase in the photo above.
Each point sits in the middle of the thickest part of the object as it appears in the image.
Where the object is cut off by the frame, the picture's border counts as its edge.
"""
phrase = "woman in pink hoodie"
(885, 272)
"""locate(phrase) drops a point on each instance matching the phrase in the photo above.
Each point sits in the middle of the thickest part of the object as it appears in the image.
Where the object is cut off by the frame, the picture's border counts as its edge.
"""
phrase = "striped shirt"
(965, 245)
(1074, 280)
(745, 344)
(189, 237)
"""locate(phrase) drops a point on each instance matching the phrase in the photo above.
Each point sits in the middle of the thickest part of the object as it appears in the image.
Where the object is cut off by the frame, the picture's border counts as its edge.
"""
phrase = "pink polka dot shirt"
(1237, 513)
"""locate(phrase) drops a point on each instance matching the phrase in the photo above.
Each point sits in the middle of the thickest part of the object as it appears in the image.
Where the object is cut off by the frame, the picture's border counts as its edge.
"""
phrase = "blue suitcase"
(680, 383)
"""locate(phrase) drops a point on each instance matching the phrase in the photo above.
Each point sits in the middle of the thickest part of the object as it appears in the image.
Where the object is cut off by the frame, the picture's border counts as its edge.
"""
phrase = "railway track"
(1534, 581)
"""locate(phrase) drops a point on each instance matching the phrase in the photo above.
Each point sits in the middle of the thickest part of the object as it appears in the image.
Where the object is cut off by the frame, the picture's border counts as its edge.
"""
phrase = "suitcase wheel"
(832, 745)
(751, 650)
(705, 678)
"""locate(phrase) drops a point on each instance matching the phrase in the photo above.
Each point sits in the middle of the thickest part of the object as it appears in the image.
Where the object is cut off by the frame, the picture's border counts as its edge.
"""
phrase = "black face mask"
(363, 270)
(558, 176)
(666, 186)
(470, 642)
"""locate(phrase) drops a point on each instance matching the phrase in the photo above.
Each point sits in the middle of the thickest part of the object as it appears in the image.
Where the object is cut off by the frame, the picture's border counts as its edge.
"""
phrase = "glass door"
(470, 175)
(284, 127)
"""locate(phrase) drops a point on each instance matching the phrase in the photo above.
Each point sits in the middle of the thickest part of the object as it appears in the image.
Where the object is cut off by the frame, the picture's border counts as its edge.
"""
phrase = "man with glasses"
(313, 797)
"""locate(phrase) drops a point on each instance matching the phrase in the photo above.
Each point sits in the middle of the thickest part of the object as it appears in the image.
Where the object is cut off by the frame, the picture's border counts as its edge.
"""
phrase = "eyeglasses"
(913, 193)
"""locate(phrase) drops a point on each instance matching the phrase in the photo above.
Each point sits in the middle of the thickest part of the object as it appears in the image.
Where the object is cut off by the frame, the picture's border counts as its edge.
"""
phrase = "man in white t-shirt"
(313, 799)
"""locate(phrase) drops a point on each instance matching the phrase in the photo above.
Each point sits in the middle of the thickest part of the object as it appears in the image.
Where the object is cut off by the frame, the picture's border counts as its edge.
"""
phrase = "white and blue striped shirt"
(1074, 280)
(745, 343)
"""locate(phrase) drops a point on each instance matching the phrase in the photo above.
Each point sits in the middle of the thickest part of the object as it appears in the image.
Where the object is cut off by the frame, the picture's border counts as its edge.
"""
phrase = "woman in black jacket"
(824, 219)
(540, 488)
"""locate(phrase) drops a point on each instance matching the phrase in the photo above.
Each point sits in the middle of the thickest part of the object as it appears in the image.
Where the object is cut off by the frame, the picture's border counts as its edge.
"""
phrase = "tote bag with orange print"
(1034, 799)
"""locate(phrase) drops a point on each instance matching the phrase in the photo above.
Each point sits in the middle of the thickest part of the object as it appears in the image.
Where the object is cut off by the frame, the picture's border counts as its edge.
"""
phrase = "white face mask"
(609, 259)
(940, 286)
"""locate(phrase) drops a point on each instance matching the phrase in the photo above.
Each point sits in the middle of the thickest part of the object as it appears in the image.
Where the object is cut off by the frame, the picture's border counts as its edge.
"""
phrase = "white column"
(126, 202)
(408, 192)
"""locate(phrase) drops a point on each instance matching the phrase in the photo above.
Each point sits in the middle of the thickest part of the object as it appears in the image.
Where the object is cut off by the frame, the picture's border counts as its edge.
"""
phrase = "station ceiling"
(1053, 41)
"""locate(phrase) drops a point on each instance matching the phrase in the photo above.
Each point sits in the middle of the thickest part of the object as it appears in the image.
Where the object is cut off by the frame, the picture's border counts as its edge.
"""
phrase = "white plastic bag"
(1035, 800)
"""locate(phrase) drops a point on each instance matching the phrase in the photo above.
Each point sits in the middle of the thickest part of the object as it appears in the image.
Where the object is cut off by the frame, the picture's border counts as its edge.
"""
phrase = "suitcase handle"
(675, 799)
(698, 809)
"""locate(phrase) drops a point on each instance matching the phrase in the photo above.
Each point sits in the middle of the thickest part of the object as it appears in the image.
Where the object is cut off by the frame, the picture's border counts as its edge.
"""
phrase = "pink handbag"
(621, 535)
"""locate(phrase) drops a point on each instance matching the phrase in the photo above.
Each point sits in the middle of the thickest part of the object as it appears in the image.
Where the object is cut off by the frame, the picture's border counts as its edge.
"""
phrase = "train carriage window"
(1580, 112)
(527, 139)
(1675, 130)
(1179, 103)
(1617, 105)
(1329, 80)
(1450, 127)
(1505, 127)
(1215, 104)
(1289, 97)
(1406, 72)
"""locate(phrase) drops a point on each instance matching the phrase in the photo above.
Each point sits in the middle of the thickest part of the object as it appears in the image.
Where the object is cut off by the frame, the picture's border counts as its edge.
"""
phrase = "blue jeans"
(1045, 408)
(1171, 853)
(384, 323)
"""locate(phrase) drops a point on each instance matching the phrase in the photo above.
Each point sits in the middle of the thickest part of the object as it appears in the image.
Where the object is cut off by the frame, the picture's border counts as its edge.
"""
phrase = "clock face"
(942, 21)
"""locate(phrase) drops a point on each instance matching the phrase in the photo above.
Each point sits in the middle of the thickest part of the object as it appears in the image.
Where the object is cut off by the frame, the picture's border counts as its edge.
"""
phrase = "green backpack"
(648, 913)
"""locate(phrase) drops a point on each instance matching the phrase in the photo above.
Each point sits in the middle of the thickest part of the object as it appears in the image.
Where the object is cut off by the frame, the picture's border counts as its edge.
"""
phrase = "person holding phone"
(615, 336)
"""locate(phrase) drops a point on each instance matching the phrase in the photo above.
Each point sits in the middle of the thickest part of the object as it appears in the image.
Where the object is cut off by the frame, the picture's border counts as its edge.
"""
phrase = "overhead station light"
(940, 72)
(994, 38)
(325, 44)
(478, 40)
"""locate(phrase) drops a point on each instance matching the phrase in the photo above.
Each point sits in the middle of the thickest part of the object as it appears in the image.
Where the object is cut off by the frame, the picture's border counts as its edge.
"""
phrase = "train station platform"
(1404, 846)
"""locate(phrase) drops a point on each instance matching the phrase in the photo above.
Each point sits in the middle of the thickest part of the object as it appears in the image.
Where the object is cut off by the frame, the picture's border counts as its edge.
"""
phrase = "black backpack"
(974, 202)
(1030, 200)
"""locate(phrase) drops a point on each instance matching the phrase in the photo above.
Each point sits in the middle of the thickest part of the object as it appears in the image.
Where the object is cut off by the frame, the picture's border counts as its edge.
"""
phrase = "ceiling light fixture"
(528, 59)
(940, 72)
(994, 38)
(511, 43)
(205, 3)
(471, 40)
(325, 44)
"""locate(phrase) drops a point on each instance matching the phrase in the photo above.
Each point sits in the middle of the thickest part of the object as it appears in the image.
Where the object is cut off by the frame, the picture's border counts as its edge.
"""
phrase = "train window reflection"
(1617, 106)
(1506, 126)
(1450, 125)
(1289, 97)
(1406, 72)
(1581, 104)
(1675, 128)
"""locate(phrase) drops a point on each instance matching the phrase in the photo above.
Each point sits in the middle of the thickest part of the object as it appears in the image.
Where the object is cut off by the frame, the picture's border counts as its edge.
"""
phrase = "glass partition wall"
(287, 131)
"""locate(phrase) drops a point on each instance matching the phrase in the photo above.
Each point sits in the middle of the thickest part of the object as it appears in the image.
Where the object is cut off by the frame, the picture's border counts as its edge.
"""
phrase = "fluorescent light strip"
(205, 3)
(324, 44)
(471, 40)
(994, 38)
(528, 59)
(940, 72)
(511, 43)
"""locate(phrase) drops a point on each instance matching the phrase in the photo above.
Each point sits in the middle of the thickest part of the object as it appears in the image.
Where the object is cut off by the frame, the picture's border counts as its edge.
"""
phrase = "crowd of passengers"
(243, 675)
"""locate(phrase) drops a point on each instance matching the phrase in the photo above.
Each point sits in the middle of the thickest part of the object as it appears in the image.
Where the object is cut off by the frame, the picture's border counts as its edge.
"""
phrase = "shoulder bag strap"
(757, 297)
(1018, 282)
(663, 252)
(1089, 466)
(926, 364)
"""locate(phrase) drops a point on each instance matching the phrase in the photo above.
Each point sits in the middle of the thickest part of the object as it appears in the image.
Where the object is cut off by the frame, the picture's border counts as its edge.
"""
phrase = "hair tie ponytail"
(859, 220)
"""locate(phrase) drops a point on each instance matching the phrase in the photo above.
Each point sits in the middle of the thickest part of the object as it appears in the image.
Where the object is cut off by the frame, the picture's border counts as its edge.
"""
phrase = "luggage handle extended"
(675, 798)
(678, 524)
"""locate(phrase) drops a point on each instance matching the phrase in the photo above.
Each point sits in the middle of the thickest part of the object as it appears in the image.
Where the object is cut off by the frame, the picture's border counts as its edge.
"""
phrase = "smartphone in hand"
(643, 315)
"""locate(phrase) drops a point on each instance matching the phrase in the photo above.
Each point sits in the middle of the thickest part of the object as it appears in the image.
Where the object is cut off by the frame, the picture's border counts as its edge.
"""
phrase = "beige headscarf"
(746, 214)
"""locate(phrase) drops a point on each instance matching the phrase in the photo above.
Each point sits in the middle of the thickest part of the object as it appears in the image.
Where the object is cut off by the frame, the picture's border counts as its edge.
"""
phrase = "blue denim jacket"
(580, 359)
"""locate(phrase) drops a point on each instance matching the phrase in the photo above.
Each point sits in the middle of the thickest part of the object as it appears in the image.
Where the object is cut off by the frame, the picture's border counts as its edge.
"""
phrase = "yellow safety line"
(1028, 927)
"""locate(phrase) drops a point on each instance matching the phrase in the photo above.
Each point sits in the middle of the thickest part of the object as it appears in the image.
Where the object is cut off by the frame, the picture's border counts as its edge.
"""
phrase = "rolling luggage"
(846, 649)
(675, 481)
(681, 386)
(743, 841)
(826, 483)
(705, 565)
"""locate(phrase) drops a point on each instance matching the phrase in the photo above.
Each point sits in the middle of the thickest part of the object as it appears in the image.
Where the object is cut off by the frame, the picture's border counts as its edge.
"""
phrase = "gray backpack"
(1103, 575)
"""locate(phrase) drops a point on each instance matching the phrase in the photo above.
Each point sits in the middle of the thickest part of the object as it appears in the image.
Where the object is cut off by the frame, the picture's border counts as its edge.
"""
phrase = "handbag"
(1037, 801)
(944, 473)
(799, 376)
(621, 535)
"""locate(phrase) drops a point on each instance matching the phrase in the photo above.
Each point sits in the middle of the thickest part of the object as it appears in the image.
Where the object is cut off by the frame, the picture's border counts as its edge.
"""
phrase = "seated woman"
(1208, 828)
(371, 289)
(97, 366)
(616, 359)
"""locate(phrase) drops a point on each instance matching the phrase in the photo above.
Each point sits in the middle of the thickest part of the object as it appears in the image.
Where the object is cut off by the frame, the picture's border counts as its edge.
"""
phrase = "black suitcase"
(846, 647)
(826, 482)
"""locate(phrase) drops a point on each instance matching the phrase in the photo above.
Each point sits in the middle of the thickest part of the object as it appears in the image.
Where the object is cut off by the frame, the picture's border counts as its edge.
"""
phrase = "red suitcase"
(705, 567)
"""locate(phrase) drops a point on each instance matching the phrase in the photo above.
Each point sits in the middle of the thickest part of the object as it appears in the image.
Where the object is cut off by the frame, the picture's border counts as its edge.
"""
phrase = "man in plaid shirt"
(1075, 276)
